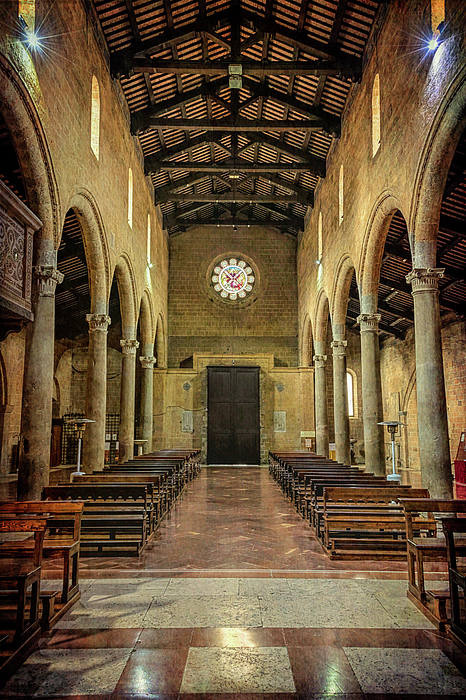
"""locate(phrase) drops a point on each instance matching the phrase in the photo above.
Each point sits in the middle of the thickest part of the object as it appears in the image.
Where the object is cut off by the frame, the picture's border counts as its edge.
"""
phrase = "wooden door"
(233, 433)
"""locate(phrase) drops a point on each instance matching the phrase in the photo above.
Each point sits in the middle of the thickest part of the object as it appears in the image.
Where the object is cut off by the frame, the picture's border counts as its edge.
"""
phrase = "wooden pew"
(419, 550)
(19, 612)
(156, 484)
(115, 519)
(61, 541)
(457, 578)
(366, 522)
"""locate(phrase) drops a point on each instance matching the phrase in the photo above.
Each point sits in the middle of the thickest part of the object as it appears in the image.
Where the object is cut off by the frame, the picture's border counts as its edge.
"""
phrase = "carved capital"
(147, 362)
(319, 361)
(47, 277)
(425, 279)
(369, 322)
(339, 347)
(98, 323)
(129, 346)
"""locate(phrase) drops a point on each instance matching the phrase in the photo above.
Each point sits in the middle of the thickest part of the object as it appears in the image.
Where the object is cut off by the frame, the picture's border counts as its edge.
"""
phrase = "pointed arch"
(439, 148)
(95, 247)
(160, 342)
(21, 117)
(372, 249)
(307, 343)
(321, 320)
(125, 278)
(146, 323)
(340, 296)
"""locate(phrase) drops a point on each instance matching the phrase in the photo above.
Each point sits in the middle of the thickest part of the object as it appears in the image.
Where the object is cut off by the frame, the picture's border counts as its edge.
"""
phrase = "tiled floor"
(236, 600)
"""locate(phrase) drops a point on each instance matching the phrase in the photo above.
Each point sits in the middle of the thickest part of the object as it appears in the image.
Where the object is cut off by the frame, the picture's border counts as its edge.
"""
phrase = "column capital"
(320, 360)
(147, 362)
(369, 322)
(339, 347)
(129, 346)
(47, 277)
(98, 322)
(425, 279)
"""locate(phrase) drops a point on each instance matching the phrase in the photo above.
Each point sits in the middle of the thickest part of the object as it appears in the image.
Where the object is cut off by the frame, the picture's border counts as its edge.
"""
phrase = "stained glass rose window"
(233, 279)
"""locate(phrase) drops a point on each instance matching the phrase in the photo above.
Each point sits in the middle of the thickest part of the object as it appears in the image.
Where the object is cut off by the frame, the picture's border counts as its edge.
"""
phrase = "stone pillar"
(321, 413)
(36, 418)
(128, 384)
(434, 448)
(340, 402)
(96, 393)
(374, 446)
(147, 401)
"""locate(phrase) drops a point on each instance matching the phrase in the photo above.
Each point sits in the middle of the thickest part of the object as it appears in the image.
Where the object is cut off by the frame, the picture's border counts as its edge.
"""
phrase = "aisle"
(235, 601)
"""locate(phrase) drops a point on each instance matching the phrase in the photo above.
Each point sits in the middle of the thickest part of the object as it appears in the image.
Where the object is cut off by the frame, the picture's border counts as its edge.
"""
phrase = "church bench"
(420, 550)
(115, 519)
(156, 485)
(456, 577)
(368, 522)
(19, 610)
(172, 484)
(315, 498)
(61, 541)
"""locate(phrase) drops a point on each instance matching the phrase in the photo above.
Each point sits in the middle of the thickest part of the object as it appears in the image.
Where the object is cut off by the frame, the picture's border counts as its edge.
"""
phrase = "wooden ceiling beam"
(228, 165)
(316, 165)
(336, 67)
(237, 124)
(162, 193)
(231, 222)
(236, 197)
(152, 162)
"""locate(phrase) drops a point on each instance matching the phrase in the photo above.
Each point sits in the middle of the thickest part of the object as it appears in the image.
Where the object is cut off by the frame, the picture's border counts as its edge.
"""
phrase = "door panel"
(233, 433)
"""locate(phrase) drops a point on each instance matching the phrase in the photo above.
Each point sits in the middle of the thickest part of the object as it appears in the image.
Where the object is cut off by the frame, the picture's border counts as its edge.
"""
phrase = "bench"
(61, 541)
(369, 522)
(419, 550)
(20, 623)
(457, 578)
(115, 519)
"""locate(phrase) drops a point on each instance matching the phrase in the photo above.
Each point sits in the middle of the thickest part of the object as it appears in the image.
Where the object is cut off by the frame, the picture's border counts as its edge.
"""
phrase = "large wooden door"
(233, 432)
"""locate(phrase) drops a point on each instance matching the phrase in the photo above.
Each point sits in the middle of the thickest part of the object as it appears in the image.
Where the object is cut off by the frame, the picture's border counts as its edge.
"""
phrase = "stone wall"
(200, 322)
(11, 359)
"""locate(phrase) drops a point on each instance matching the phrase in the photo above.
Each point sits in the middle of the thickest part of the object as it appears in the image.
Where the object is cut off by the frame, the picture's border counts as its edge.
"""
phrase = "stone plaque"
(279, 422)
(187, 422)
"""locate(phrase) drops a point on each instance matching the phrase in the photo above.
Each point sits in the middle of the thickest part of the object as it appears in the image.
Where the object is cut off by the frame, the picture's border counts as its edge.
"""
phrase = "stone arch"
(23, 122)
(321, 318)
(372, 249)
(307, 342)
(95, 247)
(146, 322)
(439, 148)
(127, 292)
(340, 295)
(161, 342)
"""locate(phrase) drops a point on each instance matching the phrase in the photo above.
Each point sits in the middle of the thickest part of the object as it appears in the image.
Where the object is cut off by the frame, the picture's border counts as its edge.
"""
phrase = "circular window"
(233, 279)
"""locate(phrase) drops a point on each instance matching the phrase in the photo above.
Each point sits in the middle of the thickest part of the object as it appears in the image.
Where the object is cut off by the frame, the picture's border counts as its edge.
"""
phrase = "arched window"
(148, 241)
(95, 116)
(437, 14)
(130, 198)
(27, 10)
(340, 196)
(350, 387)
(376, 115)
(319, 239)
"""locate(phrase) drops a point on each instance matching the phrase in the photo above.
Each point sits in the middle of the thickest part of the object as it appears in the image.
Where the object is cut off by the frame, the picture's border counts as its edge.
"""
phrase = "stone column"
(374, 446)
(147, 400)
(321, 413)
(340, 402)
(128, 385)
(434, 448)
(96, 393)
(36, 417)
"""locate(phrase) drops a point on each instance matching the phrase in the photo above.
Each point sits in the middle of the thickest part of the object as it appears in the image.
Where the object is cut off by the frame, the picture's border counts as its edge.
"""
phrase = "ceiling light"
(433, 43)
(234, 175)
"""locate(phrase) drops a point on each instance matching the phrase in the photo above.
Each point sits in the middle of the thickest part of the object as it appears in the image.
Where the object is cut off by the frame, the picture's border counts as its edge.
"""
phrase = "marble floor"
(236, 600)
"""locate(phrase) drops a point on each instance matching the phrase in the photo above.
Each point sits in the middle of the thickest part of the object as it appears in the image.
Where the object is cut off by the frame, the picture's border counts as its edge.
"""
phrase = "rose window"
(233, 279)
